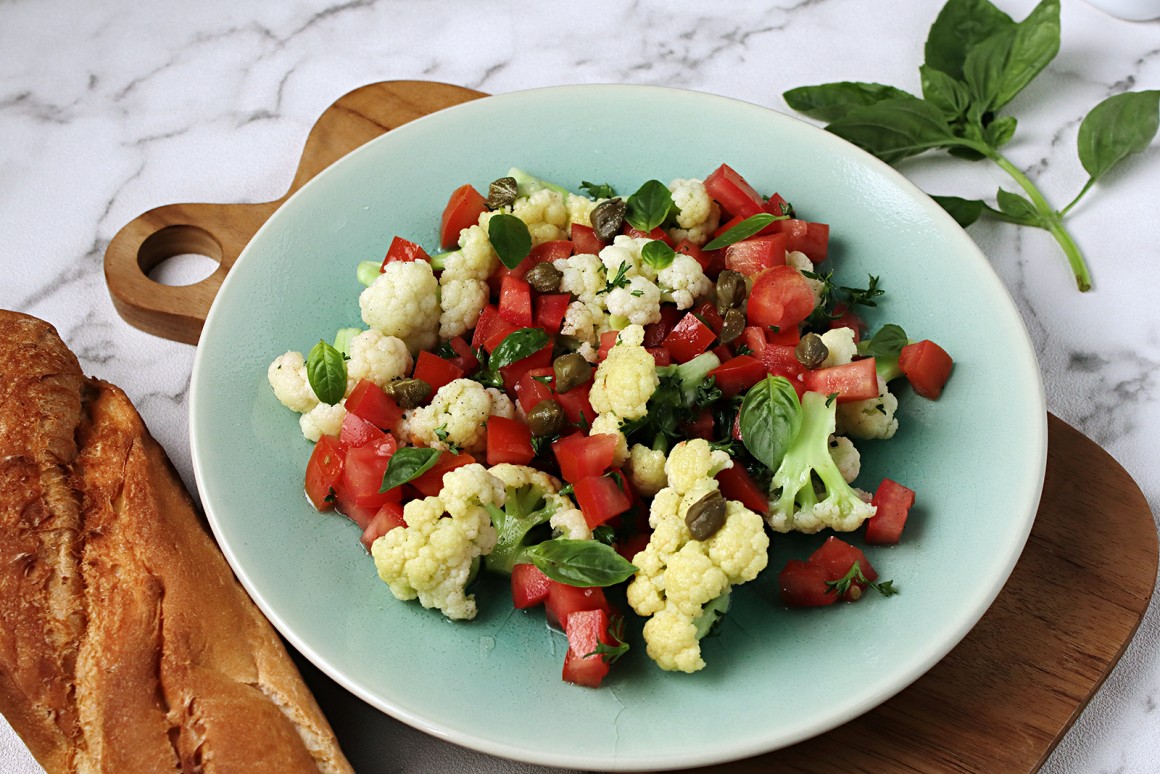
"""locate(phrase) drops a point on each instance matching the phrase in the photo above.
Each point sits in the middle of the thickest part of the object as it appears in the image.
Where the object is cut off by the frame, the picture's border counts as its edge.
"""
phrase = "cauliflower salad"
(617, 402)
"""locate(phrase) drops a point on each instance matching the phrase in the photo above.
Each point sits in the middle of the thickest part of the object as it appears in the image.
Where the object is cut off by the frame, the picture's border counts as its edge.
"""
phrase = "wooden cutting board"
(999, 702)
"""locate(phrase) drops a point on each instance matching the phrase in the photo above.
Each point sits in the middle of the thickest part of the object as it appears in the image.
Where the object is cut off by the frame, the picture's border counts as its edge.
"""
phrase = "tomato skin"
(531, 390)
(462, 211)
(737, 484)
(655, 333)
(508, 440)
(661, 356)
(564, 600)
(582, 664)
(576, 405)
(738, 374)
(465, 358)
(550, 310)
(710, 316)
(701, 426)
(733, 193)
(781, 298)
(362, 475)
(836, 557)
(511, 374)
(893, 501)
(530, 587)
(486, 326)
(756, 254)
(583, 457)
(656, 233)
(389, 516)
(607, 342)
(323, 471)
(803, 584)
(847, 319)
(927, 367)
(585, 241)
(689, 338)
(781, 360)
(431, 483)
(852, 381)
(600, 499)
(436, 371)
(403, 250)
(356, 432)
(367, 400)
(515, 302)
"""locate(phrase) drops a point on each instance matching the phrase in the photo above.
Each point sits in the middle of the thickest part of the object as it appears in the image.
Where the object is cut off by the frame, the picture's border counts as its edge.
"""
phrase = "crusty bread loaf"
(126, 644)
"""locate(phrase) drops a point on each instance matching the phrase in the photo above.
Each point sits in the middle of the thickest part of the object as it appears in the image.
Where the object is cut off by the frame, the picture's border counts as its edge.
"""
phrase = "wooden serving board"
(999, 702)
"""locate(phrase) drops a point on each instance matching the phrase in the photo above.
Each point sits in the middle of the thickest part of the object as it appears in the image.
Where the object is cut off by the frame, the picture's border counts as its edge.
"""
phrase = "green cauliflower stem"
(525, 508)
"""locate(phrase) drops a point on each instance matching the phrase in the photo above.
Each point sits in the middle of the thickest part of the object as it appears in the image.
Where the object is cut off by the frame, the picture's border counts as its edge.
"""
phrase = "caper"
(502, 192)
(706, 516)
(734, 325)
(571, 371)
(811, 351)
(731, 290)
(544, 277)
(408, 393)
(546, 419)
(607, 218)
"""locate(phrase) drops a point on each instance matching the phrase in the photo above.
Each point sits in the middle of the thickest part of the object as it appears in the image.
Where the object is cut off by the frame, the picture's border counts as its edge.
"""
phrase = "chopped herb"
(855, 576)
(598, 190)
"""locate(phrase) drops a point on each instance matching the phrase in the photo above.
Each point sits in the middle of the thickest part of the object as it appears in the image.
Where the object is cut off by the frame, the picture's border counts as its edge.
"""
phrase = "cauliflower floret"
(697, 214)
(609, 424)
(323, 419)
(431, 557)
(462, 301)
(403, 301)
(626, 250)
(377, 358)
(571, 524)
(871, 418)
(646, 469)
(691, 462)
(475, 258)
(584, 321)
(287, 375)
(801, 262)
(544, 213)
(639, 302)
(683, 281)
(841, 346)
(583, 277)
(626, 379)
(580, 210)
(846, 457)
(588, 352)
(457, 416)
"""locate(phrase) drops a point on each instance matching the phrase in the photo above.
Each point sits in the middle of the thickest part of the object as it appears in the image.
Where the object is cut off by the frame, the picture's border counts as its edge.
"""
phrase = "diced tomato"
(836, 557)
(600, 499)
(790, 336)
(803, 584)
(489, 326)
(661, 356)
(633, 545)
(737, 219)
(710, 316)
(893, 502)
(323, 471)
(780, 298)
(793, 229)
(752, 256)
(815, 244)
(362, 476)
(753, 338)
(737, 484)
(503, 330)
(582, 456)
(689, 338)
(388, 516)
(927, 367)
(852, 381)
(847, 319)
(435, 370)
(655, 333)
(530, 587)
(607, 342)
(656, 233)
(508, 440)
(712, 261)
(585, 241)
(733, 193)
(701, 426)
(462, 211)
(511, 374)
(515, 302)
(586, 630)
(465, 358)
(431, 483)
(534, 386)
(738, 374)
(777, 205)
(781, 360)
(550, 311)
(403, 250)
(367, 400)
(547, 252)
(356, 431)
(564, 600)
(576, 405)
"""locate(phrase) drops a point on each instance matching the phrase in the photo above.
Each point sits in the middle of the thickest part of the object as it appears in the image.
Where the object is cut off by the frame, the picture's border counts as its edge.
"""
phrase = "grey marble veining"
(109, 108)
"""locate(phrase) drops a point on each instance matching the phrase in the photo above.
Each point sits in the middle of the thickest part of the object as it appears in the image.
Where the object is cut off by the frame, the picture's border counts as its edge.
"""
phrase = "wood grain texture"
(999, 702)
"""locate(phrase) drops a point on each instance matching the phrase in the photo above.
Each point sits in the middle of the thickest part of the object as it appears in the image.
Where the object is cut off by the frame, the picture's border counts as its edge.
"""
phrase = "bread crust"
(126, 643)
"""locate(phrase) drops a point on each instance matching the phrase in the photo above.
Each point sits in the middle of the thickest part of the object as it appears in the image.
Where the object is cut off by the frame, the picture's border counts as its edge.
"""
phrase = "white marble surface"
(109, 108)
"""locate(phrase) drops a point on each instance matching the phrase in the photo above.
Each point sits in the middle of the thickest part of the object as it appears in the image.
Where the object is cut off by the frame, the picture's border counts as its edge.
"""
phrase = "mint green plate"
(775, 676)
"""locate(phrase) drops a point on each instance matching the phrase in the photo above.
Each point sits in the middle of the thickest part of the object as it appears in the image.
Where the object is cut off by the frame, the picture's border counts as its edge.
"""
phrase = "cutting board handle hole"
(179, 255)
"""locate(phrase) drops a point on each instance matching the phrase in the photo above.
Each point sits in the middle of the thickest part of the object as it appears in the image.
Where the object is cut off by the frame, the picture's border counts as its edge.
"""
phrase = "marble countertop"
(109, 108)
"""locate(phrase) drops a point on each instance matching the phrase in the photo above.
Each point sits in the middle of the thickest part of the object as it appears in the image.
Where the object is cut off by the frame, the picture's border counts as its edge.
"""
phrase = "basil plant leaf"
(407, 464)
(649, 206)
(770, 418)
(960, 25)
(831, 101)
(896, 129)
(1017, 209)
(1116, 128)
(944, 92)
(326, 372)
(964, 211)
(744, 230)
(886, 343)
(509, 238)
(657, 254)
(1000, 131)
(516, 346)
(583, 563)
(1000, 67)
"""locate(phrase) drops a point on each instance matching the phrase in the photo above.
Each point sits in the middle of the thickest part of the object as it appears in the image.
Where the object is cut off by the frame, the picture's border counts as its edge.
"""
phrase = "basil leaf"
(1017, 209)
(598, 190)
(831, 101)
(509, 238)
(657, 254)
(744, 230)
(649, 206)
(887, 342)
(895, 129)
(770, 418)
(959, 27)
(1000, 67)
(407, 464)
(583, 563)
(326, 372)
(944, 92)
(1117, 127)
(964, 211)
(1000, 131)
(516, 346)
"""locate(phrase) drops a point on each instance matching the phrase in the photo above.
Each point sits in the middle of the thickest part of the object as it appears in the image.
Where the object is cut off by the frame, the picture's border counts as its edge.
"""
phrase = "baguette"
(126, 643)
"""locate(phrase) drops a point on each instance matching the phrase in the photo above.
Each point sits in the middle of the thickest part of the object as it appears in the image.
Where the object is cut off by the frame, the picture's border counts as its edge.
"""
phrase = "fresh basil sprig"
(583, 563)
(326, 372)
(887, 342)
(407, 464)
(977, 60)
(509, 238)
(516, 346)
(650, 206)
(744, 230)
(770, 418)
(657, 254)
